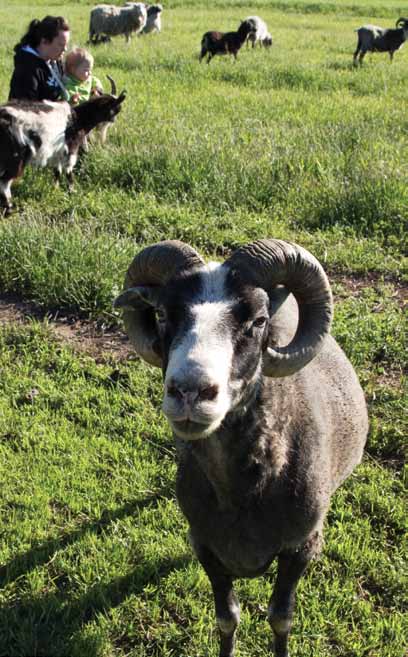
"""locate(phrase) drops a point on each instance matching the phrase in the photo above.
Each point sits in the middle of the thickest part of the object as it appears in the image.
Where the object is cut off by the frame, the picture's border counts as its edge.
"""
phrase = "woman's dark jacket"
(32, 78)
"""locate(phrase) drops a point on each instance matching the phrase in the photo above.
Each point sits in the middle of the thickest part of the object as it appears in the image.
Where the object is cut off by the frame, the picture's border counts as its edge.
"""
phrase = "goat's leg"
(391, 55)
(356, 53)
(226, 602)
(362, 54)
(70, 180)
(103, 129)
(57, 175)
(5, 197)
(282, 603)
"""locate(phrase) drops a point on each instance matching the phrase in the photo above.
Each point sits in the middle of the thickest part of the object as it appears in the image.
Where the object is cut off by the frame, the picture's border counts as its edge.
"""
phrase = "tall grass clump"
(73, 269)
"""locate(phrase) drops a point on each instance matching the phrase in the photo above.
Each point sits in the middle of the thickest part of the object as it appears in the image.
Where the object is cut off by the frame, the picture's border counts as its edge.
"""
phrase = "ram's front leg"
(282, 604)
(226, 602)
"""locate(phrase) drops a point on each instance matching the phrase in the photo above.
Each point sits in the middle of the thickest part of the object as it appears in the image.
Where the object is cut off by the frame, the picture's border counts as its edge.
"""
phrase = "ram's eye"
(259, 322)
(161, 316)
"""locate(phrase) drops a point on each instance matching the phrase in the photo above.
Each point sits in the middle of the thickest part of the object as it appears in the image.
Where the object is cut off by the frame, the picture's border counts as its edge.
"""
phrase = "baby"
(78, 80)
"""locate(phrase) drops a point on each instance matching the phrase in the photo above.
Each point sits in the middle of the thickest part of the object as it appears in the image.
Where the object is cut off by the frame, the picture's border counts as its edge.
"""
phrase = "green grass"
(291, 143)
(94, 552)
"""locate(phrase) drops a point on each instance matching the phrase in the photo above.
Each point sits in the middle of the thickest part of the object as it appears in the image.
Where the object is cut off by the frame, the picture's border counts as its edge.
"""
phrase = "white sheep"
(260, 33)
(108, 20)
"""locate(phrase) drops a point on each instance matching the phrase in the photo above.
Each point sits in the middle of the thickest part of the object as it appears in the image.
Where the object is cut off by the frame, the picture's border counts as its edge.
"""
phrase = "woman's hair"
(46, 29)
(75, 57)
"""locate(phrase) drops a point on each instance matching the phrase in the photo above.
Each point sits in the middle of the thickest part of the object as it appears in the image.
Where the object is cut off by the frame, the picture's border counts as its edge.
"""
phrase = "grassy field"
(291, 143)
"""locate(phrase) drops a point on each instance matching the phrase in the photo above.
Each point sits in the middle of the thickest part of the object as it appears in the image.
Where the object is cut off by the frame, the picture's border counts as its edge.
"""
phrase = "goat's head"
(402, 22)
(207, 326)
(102, 108)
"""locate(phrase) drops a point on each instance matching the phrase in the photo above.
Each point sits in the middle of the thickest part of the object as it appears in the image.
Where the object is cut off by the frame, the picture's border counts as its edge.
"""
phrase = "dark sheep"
(267, 412)
(224, 43)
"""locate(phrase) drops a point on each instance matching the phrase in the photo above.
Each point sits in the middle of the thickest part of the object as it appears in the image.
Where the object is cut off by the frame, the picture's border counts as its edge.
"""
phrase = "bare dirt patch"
(354, 283)
(107, 342)
(100, 342)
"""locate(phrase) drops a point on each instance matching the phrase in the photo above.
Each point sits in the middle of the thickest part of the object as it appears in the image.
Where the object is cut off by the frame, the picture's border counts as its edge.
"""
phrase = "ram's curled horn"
(151, 268)
(401, 21)
(113, 85)
(268, 263)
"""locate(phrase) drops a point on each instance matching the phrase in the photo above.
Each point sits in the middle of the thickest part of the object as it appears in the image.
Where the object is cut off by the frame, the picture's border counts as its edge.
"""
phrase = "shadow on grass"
(44, 625)
(41, 553)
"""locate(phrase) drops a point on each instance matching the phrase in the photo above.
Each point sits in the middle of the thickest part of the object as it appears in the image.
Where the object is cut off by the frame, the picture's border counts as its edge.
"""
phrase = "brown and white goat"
(224, 43)
(47, 134)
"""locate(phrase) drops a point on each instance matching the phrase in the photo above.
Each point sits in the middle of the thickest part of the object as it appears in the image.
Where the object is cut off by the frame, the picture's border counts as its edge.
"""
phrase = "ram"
(372, 38)
(48, 134)
(267, 412)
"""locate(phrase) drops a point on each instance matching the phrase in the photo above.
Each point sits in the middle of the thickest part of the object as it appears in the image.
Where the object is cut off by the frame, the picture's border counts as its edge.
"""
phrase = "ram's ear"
(138, 305)
(136, 297)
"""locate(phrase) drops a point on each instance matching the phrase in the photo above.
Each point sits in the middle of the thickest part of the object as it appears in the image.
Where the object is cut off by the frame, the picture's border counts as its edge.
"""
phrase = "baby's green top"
(84, 89)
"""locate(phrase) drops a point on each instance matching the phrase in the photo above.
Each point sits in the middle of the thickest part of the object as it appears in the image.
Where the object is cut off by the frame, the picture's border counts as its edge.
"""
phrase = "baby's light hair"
(75, 57)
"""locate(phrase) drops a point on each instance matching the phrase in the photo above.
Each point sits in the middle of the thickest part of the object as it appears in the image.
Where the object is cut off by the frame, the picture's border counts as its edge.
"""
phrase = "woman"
(37, 68)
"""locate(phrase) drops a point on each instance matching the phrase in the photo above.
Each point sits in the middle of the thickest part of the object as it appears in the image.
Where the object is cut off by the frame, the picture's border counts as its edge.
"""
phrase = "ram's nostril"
(208, 393)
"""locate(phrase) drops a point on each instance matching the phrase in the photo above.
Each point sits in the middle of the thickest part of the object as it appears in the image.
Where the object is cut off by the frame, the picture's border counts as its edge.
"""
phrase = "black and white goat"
(372, 38)
(224, 43)
(267, 412)
(48, 133)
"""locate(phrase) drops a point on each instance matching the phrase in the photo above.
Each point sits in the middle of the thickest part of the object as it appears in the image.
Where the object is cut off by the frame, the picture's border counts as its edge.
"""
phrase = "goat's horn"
(401, 21)
(153, 267)
(113, 85)
(267, 263)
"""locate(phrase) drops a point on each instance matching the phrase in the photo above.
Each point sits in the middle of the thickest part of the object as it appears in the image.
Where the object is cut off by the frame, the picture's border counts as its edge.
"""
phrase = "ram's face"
(212, 332)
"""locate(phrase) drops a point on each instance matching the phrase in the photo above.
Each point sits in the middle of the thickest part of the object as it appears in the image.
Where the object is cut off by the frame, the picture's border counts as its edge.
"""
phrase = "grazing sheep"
(265, 433)
(47, 133)
(153, 23)
(259, 33)
(220, 43)
(372, 38)
(107, 21)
